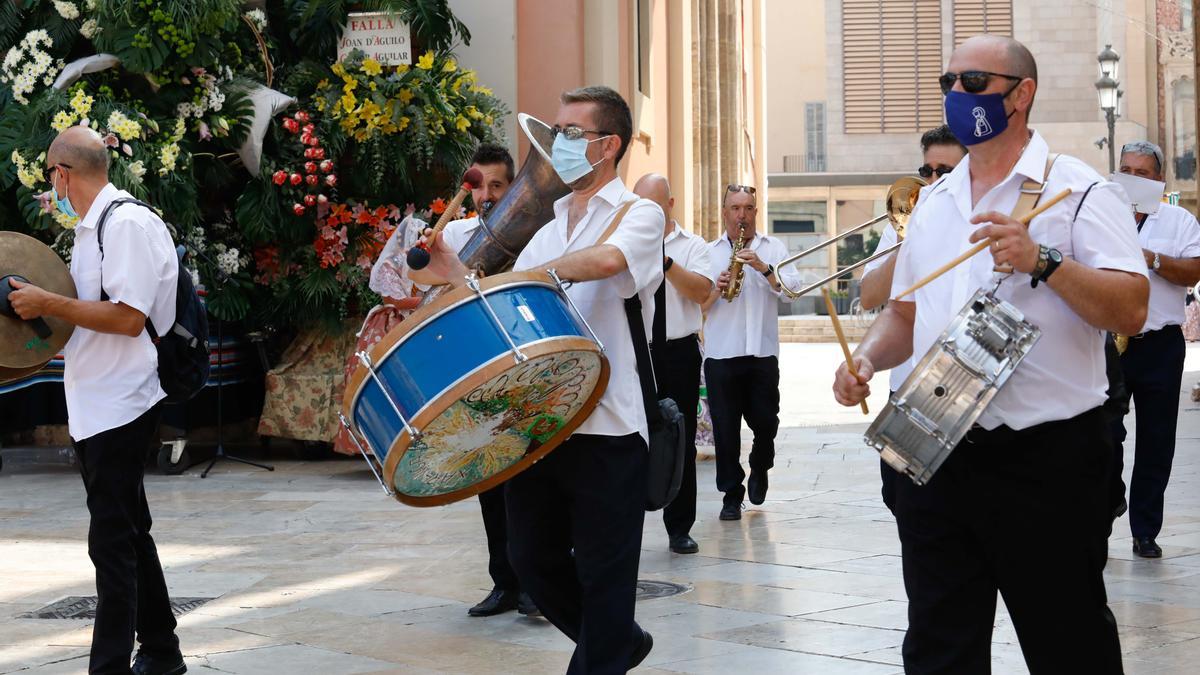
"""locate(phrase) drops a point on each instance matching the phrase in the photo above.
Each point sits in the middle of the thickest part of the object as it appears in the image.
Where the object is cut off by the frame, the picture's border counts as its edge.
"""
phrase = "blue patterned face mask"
(569, 157)
(975, 118)
(63, 204)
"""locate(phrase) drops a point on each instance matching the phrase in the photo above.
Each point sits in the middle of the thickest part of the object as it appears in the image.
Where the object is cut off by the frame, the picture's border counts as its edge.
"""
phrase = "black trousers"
(677, 370)
(745, 387)
(984, 523)
(1153, 369)
(574, 537)
(495, 524)
(132, 594)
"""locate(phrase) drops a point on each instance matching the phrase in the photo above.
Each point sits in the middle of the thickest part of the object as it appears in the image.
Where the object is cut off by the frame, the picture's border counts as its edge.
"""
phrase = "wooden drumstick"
(1024, 220)
(837, 328)
(418, 256)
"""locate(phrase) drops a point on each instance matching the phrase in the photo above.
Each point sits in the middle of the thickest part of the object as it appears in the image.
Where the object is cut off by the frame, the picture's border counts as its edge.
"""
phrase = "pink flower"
(111, 140)
(45, 202)
(205, 132)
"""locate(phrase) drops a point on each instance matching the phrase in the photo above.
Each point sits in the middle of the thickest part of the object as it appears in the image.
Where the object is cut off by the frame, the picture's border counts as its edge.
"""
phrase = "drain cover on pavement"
(649, 590)
(84, 607)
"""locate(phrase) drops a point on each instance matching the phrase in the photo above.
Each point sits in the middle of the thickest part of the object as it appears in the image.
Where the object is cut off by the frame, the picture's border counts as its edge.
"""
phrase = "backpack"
(183, 352)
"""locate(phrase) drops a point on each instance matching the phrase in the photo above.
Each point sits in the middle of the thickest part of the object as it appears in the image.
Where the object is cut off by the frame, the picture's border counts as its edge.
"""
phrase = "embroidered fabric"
(389, 275)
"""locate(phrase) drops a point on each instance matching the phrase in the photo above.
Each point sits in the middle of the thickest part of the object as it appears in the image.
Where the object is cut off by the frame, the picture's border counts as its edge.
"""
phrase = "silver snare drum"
(952, 386)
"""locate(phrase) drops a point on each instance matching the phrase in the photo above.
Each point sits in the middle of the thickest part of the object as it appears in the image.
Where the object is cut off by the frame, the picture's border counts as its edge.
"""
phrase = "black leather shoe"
(497, 602)
(145, 664)
(642, 651)
(684, 544)
(525, 605)
(731, 512)
(1146, 548)
(756, 487)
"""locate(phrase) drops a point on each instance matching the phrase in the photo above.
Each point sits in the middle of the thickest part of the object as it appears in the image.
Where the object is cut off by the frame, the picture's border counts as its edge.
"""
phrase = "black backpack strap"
(108, 209)
(645, 366)
(1081, 201)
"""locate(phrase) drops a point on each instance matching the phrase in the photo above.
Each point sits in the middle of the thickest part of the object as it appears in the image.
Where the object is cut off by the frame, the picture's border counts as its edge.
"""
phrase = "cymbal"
(26, 345)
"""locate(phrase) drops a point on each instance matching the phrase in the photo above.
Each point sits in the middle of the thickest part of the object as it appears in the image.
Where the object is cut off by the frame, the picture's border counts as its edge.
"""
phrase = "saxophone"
(737, 269)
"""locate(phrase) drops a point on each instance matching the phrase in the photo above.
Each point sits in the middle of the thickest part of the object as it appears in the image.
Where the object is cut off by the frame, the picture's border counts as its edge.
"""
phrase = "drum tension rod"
(370, 464)
(562, 287)
(473, 284)
(365, 359)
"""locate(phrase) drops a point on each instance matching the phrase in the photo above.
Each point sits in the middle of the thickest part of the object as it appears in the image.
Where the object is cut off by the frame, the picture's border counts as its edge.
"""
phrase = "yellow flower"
(405, 96)
(371, 86)
(348, 102)
(426, 61)
(462, 123)
(450, 66)
(487, 120)
(62, 120)
(402, 68)
(64, 221)
(473, 112)
(81, 103)
(403, 123)
(371, 67)
(482, 90)
(323, 84)
(320, 103)
(339, 70)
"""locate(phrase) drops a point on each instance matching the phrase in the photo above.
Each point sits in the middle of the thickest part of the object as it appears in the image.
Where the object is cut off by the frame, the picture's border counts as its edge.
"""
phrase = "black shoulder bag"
(664, 467)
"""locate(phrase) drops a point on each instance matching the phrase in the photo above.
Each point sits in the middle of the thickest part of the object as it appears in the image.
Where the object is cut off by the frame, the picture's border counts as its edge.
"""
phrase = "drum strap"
(612, 227)
(1031, 190)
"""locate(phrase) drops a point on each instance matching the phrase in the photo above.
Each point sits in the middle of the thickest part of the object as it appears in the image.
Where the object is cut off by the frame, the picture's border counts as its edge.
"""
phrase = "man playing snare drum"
(1020, 507)
(575, 517)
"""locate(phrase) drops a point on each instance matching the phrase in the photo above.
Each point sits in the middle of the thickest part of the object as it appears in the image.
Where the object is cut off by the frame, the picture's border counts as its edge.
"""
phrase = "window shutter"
(975, 17)
(891, 60)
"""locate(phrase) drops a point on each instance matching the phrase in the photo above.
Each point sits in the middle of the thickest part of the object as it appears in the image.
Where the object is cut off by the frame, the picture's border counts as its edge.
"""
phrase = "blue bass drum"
(474, 388)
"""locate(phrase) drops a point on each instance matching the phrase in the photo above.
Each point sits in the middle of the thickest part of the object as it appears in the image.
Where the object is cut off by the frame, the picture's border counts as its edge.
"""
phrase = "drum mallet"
(418, 256)
(837, 328)
(984, 244)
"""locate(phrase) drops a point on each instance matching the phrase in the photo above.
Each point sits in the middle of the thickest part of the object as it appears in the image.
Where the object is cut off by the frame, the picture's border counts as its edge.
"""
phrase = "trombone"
(901, 198)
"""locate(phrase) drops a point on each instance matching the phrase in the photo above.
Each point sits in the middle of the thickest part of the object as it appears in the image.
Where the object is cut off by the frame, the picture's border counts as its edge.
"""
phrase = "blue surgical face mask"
(569, 158)
(64, 203)
(975, 118)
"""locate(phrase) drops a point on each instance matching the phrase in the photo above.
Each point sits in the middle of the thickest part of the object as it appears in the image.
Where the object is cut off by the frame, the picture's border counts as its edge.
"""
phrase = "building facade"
(853, 85)
(690, 69)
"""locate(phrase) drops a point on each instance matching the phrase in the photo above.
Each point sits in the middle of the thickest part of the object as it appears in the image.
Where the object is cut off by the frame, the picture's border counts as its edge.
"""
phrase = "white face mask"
(1144, 194)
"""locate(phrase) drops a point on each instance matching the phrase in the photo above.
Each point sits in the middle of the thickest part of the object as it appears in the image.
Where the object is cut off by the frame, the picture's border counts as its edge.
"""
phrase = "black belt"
(678, 341)
(1169, 329)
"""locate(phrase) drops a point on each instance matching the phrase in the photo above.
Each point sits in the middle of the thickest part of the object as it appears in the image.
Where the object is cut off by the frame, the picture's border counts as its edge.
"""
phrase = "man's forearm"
(876, 285)
(589, 264)
(1110, 300)
(1179, 271)
(694, 287)
(888, 342)
(98, 315)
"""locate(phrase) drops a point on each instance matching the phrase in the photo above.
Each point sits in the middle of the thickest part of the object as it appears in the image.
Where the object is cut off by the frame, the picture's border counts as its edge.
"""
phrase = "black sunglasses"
(574, 133)
(927, 171)
(973, 81)
(748, 189)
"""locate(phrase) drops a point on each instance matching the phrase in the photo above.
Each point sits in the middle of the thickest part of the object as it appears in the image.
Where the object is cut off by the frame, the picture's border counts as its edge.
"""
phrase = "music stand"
(222, 278)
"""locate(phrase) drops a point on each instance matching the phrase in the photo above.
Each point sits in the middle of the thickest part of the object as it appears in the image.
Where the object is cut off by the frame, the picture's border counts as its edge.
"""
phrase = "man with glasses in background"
(741, 350)
(941, 152)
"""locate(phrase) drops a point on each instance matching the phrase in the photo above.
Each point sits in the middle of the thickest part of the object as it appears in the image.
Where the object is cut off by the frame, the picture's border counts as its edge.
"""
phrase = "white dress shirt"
(1063, 375)
(689, 251)
(111, 380)
(639, 238)
(889, 238)
(749, 325)
(457, 233)
(1171, 231)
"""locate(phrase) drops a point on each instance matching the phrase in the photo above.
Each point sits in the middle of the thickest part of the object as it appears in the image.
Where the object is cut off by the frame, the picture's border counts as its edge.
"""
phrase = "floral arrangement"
(292, 245)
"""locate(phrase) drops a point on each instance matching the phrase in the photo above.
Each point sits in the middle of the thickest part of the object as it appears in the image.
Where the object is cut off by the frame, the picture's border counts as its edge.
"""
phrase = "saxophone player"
(741, 347)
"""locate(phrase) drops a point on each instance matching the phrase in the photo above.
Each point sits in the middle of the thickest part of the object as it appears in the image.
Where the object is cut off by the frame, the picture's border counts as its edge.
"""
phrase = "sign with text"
(380, 35)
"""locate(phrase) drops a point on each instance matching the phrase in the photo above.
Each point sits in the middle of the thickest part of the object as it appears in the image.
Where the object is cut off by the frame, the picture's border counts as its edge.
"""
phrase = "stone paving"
(314, 570)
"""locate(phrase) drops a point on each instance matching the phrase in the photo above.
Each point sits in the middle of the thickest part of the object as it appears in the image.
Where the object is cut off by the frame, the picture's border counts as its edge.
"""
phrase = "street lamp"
(1107, 88)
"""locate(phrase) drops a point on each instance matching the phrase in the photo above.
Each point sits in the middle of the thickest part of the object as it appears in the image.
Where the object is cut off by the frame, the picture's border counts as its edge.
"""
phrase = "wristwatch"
(769, 271)
(1157, 262)
(1048, 260)
(667, 264)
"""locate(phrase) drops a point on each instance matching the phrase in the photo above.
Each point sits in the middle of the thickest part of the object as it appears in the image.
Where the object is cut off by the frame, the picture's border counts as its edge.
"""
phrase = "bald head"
(81, 150)
(655, 187)
(1000, 54)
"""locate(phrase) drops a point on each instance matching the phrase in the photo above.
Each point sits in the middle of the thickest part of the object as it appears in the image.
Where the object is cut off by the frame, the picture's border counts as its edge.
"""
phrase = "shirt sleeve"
(133, 269)
(905, 273)
(639, 238)
(529, 257)
(1104, 234)
(456, 235)
(1189, 236)
(886, 238)
(699, 260)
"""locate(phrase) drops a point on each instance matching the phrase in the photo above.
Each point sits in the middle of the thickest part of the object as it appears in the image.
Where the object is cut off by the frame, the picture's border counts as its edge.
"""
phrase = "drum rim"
(63, 286)
(492, 368)
(448, 301)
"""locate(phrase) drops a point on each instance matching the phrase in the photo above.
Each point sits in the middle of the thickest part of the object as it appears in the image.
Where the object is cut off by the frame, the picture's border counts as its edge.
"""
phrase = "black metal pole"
(1111, 116)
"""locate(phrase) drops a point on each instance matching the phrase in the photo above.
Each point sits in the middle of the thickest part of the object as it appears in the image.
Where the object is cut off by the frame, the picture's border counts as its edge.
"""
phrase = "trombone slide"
(849, 268)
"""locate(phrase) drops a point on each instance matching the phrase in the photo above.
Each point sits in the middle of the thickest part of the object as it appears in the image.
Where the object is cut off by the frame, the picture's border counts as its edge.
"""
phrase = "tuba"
(737, 268)
(527, 205)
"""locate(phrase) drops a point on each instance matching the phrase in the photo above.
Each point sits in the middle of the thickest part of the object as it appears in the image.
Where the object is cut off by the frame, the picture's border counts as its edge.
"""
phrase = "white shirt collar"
(92, 218)
(1031, 164)
(676, 232)
(611, 193)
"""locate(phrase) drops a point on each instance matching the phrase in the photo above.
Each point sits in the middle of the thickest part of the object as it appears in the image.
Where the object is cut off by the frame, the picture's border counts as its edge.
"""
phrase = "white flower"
(137, 168)
(229, 261)
(90, 5)
(66, 10)
(258, 18)
(89, 29)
